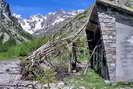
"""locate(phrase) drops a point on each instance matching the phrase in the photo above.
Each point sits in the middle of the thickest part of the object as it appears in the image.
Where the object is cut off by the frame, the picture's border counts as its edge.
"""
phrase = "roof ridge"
(117, 6)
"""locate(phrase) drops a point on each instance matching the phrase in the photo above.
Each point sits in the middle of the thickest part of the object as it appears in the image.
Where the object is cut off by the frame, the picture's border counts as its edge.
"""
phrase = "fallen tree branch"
(93, 52)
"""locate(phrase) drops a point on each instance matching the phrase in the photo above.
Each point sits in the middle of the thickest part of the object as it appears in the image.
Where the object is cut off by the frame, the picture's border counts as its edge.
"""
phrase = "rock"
(108, 82)
(10, 30)
(9, 72)
(74, 71)
(60, 85)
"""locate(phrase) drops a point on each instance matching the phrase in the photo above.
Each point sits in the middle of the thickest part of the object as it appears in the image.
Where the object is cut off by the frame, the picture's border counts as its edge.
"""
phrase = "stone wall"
(116, 30)
(124, 27)
(108, 32)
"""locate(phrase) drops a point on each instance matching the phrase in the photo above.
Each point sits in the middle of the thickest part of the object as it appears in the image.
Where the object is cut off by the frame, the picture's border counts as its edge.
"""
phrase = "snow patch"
(59, 19)
(17, 15)
(40, 22)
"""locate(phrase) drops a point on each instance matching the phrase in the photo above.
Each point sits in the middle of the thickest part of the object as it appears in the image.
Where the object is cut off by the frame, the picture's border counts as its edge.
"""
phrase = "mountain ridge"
(40, 22)
(11, 33)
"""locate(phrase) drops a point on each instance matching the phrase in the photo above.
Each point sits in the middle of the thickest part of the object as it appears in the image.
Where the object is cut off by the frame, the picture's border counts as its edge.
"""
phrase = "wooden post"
(70, 62)
(74, 53)
(70, 57)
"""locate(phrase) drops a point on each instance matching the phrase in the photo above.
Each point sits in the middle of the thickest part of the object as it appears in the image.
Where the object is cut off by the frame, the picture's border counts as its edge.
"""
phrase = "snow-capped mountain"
(40, 22)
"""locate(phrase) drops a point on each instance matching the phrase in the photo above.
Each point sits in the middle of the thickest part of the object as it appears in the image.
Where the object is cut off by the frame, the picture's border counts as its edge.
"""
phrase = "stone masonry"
(115, 25)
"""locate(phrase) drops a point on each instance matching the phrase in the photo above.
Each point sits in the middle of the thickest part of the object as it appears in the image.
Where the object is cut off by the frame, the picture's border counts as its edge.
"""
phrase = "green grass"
(93, 81)
(123, 84)
(90, 81)
(23, 49)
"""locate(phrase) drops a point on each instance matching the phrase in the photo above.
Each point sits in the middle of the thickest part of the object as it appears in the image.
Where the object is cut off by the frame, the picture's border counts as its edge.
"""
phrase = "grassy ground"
(23, 49)
(93, 81)
(89, 81)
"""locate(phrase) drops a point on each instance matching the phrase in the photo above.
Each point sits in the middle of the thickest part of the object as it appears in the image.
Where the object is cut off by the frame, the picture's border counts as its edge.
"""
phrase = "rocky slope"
(11, 32)
(41, 23)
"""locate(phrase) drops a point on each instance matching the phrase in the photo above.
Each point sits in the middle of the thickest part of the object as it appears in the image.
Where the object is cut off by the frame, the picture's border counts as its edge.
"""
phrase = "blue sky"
(30, 7)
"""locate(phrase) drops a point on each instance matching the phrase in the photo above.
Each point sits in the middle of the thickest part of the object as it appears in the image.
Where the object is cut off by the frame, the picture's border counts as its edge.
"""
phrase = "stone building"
(110, 35)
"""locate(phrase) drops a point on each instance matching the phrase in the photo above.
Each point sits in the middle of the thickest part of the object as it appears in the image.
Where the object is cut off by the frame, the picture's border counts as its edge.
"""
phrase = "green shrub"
(48, 76)
(23, 49)
(4, 47)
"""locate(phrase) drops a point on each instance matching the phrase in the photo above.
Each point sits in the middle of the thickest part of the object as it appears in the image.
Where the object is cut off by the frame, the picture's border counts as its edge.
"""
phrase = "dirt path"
(9, 71)
(10, 75)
